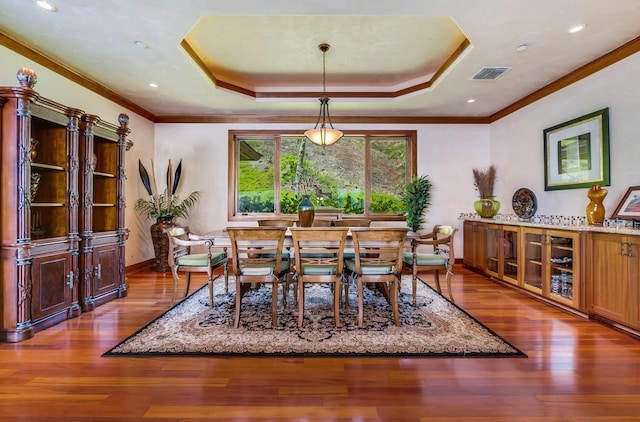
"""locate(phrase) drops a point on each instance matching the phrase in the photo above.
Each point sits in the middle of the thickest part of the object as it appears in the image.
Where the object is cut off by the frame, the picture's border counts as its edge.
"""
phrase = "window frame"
(233, 157)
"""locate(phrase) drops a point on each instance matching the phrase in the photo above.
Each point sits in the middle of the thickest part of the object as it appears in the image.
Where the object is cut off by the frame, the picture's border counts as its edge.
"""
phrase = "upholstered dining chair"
(378, 261)
(319, 259)
(257, 259)
(286, 256)
(432, 252)
(183, 257)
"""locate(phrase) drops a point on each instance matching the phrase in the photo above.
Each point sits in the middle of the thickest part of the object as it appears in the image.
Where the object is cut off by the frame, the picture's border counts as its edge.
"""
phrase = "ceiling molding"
(620, 53)
(72, 75)
(220, 83)
(597, 65)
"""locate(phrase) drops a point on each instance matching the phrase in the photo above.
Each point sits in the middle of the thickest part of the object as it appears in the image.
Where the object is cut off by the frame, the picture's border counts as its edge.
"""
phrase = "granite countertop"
(579, 228)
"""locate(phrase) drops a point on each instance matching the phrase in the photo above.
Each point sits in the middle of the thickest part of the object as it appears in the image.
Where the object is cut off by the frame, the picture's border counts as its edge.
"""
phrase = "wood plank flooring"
(577, 370)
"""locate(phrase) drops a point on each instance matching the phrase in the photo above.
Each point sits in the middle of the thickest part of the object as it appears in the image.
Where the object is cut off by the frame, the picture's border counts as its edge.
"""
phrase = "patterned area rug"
(434, 328)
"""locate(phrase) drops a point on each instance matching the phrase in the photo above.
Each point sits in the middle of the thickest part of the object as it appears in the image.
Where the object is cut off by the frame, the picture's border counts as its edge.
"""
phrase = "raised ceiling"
(246, 59)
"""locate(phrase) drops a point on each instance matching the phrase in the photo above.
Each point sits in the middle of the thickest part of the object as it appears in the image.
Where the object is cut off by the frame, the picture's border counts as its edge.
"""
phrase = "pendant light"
(322, 134)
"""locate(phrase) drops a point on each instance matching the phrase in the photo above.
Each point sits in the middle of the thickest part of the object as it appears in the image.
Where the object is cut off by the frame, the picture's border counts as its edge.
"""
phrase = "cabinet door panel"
(609, 293)
(634, 281)
(51, 291)
(105, 278)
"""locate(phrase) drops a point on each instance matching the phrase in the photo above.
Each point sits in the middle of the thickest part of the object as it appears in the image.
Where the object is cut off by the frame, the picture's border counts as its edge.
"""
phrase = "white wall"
(517, 140)
(447, 153)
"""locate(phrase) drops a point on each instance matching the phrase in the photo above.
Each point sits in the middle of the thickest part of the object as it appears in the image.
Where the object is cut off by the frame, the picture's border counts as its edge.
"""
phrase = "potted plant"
(163, 207)
(484, 181)
(417, 199)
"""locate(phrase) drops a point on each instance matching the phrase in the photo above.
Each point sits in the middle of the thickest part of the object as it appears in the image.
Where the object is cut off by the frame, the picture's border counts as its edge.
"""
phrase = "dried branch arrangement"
(484, 180)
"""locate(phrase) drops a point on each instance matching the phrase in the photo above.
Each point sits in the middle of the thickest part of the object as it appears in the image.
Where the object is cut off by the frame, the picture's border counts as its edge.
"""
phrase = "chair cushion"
(425, 259)
(370, 269)
(200, 259)
(262, 270)
(319, 269)
(193, 260)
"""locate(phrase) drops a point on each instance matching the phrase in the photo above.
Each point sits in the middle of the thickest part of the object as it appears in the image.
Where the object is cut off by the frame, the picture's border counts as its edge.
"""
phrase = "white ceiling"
(376, 45)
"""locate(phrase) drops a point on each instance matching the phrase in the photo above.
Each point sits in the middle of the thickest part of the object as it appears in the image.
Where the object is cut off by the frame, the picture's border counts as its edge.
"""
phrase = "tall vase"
(161, 244)
(487, 206)
(595, 209)
(306, 212)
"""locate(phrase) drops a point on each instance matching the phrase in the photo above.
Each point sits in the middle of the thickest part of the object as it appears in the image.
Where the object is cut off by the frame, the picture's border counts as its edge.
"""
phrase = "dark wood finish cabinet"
(48, 225)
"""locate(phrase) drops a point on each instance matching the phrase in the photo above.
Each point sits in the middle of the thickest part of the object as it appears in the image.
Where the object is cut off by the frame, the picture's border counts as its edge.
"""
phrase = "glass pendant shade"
(322, 134)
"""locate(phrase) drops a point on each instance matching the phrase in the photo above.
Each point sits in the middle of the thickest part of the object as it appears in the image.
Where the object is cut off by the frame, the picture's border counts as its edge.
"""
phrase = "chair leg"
(448, 277)
(360, 303)
(414, 285)
(393, 296)
(211, 291)
(436, 276)
(226, 276)
(174, 272)
(336, 300)
(274, 304)
(300, 303)
(236, 318)
(186, 292)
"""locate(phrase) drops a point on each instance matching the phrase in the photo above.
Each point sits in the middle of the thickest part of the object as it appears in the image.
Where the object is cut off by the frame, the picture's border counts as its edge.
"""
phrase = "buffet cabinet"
(615, 278)
(62, 225)
(542, 261)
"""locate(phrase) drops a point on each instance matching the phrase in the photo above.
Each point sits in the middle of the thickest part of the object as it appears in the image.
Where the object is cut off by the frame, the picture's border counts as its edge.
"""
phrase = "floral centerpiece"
(484, 181)
(167, 203)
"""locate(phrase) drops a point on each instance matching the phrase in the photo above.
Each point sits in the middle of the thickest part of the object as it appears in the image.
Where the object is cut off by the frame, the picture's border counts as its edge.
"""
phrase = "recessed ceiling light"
(46, 5)
(153, 85)
(471, 100)
(522, 47)
(576, 28)
(141, 44)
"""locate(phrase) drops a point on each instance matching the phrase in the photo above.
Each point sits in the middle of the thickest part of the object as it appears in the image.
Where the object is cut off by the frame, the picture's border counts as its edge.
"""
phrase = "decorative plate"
(524, 203)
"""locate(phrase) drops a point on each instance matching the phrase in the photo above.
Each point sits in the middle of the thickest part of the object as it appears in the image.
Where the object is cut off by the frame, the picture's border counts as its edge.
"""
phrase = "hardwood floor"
(577, 370)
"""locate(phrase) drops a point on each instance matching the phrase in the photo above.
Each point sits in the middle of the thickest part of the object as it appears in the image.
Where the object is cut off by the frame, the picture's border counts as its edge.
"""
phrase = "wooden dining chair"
(257, 259)
(276, 223)
(378, 261)
(352, 222)
(319, 259)
(432, 252)
(183, 257)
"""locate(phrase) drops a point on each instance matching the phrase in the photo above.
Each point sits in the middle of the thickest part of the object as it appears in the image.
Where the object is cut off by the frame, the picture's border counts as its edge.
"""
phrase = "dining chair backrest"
(322, 222)
(352, 222)
(319, 249)
(378, 247)
(256, 250)
(276, 223)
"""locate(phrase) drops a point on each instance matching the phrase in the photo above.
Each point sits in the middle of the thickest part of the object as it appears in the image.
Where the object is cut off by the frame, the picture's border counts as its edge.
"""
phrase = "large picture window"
(363, 174)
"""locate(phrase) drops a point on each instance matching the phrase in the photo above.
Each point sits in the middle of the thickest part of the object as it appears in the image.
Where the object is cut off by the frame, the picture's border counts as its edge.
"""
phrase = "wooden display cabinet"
(42, 162)
(502, 257)
(102, 149)
(614, 275)
(552, 265)
(474, 235)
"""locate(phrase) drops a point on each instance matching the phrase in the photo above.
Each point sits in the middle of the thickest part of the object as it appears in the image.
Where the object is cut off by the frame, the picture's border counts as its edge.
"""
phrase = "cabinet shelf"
(100, 174)
(531, 261)
(46, 204)
(104, 205)
(46, 167)
(535, 243)
(562, 248)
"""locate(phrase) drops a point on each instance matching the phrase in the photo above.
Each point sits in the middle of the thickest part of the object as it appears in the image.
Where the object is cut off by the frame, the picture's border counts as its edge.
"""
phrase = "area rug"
(434, 328)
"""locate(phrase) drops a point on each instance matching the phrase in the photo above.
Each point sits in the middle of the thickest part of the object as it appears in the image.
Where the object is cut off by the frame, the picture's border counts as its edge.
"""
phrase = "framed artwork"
(576, 153)
(629, 207)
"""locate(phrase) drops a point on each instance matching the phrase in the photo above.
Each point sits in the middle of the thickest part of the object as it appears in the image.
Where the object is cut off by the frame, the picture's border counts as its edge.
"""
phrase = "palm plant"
(167, 203)
(417, 199)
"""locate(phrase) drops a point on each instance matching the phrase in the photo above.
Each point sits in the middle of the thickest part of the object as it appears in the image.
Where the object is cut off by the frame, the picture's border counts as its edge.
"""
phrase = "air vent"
(489, 73)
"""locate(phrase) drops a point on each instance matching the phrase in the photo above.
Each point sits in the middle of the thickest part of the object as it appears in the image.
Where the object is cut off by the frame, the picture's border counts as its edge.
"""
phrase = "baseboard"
(140, 266)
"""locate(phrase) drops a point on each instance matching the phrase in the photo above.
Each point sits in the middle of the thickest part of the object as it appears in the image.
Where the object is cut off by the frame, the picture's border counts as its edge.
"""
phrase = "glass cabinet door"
(533, 260)
(510, 240)
(494, 241)
(561, 266)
